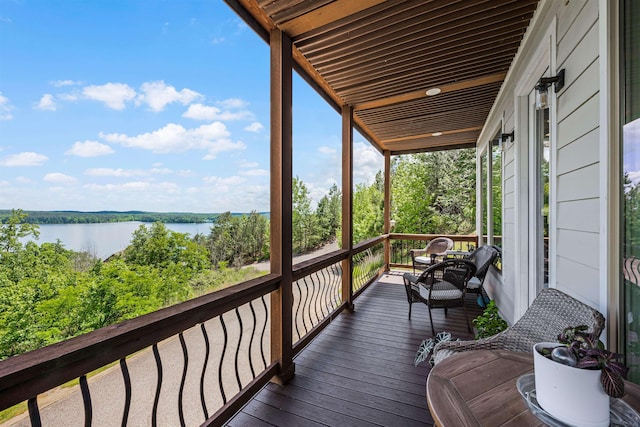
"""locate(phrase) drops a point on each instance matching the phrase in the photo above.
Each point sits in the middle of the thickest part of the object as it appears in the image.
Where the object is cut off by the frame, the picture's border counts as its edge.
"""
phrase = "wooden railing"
(206, 357)
(401, 245)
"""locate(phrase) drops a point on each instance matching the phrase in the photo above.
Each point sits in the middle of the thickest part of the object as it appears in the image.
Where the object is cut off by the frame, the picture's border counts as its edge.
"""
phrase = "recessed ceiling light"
(433, 91)
(436, 134)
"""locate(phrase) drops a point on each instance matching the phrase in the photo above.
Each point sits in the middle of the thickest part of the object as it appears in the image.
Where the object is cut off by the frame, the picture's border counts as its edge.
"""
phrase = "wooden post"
(387, 208)
(281, 203)
(347, 202)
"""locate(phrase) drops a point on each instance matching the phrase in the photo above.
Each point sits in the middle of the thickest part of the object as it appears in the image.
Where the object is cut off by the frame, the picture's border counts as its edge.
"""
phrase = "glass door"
(539, 162)
(630, 95)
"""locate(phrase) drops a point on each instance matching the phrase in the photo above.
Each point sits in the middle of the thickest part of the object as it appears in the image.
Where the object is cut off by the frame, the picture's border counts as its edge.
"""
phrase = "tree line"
(76, 217)
(49, 293)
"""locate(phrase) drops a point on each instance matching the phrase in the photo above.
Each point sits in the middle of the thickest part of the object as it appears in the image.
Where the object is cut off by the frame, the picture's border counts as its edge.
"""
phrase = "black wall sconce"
(506, 137)
(510, 135)
(542, 89)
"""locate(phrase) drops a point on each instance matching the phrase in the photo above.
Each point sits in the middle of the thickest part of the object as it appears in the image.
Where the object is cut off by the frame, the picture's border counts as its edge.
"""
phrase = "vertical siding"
(576, 170)
(577, 161)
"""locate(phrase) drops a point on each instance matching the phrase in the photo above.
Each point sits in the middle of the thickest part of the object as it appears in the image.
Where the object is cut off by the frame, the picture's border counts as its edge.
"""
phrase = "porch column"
(281, 203)
(387, 208)
(347, 202)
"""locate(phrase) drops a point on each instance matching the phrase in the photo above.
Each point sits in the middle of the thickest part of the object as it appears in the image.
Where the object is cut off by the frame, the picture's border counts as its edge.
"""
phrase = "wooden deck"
(359, 370)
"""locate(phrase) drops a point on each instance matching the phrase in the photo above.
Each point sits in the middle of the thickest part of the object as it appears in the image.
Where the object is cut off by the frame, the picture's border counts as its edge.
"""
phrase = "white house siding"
(577, 154)
(576, 181)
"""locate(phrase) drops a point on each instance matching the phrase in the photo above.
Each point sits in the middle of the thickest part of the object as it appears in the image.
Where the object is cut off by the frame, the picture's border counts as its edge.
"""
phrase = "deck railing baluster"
(86, 401)
(156, 399)
(238, 350)
(127, 390)
(34, 412)
(253, 333)
(207, 350)
(296, 322)
(185, 356)
(224, 350)
(264, 330)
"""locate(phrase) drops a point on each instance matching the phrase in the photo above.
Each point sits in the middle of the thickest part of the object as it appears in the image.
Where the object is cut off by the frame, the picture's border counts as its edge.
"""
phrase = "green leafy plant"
(581, 349)
(489, 322)
(427, 346)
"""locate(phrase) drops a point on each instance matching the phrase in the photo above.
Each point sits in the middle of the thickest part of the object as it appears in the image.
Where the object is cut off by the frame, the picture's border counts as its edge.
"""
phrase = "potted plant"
(576, 377)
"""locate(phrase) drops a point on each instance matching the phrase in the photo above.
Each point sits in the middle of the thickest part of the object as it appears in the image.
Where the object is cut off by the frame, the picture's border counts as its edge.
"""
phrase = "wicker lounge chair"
(423, 258)
(548, 315)
(442, 285)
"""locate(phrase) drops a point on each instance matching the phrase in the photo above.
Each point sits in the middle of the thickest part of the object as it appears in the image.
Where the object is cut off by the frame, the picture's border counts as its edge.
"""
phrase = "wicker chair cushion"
(474, 283)
(423, 259)
(441, 291)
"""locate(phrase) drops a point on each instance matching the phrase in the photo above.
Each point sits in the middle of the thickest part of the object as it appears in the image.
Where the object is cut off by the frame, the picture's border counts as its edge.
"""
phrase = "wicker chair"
(482, 257)
(423, 258)
(548, 315)
(442, 285)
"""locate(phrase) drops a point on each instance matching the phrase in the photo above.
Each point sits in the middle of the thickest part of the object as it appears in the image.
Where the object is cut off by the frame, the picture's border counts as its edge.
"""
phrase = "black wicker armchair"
(443, 285)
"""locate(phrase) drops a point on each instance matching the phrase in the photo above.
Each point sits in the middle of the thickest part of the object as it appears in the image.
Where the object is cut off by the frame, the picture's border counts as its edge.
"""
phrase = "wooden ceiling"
(381, 57)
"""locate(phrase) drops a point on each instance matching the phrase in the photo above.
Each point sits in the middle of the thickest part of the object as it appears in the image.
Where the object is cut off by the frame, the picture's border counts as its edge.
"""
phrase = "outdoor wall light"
(510, 135)
(542, 89)
(506, 137)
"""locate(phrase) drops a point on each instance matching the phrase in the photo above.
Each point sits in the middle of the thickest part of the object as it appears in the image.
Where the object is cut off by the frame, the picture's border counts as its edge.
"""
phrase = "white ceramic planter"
(571, 395)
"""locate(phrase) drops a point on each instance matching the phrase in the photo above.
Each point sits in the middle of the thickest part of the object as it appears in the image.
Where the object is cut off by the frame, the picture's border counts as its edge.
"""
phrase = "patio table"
(478, 388)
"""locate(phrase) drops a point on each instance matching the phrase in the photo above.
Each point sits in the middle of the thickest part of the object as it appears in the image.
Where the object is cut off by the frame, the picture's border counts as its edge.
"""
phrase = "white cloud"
(22, 180)
(89, 149)
(255, 172)
(46, 103)
(217, 40)
(62, 83)
(68, 96)
(158, 94)
(246, 164)
(136, 187)
(114, 95)
(209, 113)
(23, 159)
(174, 138)
(367, 161)
(254, 127)
(5, 108)
(59, 178)
(327, 150)
(223, 185)
(126, 172)
(233, 103)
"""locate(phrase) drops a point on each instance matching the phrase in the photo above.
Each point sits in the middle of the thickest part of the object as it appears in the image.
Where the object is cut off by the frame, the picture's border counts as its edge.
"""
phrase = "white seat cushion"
(423, 259)
(474, 283)
(441, 291)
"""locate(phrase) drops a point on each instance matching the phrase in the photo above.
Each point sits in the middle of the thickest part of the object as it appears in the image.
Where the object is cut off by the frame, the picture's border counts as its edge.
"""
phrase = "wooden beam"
(325, 15)
(387, 208)
(411, 96)
(281, 203)
(430, 135)
(347, 202)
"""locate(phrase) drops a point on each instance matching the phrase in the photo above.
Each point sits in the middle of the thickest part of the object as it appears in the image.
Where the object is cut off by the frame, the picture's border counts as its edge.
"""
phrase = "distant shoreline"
(79, 217)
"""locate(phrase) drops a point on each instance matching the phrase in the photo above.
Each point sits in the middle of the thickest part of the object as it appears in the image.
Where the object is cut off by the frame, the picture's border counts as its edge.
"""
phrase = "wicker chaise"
(548, 315)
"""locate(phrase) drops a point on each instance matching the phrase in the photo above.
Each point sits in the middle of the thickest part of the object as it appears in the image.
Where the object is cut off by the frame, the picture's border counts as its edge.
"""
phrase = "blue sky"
(148, 105)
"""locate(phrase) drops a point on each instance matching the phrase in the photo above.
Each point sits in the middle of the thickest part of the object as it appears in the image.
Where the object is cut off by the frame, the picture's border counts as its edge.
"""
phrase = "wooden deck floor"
(359, 371)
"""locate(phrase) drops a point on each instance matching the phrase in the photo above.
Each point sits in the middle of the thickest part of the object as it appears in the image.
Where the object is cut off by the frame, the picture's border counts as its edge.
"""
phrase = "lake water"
(104, 239)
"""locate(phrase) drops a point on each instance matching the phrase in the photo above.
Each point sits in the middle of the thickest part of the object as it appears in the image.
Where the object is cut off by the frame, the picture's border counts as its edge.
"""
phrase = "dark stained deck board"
(360, 370)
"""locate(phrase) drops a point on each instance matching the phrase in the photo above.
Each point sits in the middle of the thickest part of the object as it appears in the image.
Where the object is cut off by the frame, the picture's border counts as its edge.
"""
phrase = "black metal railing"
(183, 365)
(402, 244)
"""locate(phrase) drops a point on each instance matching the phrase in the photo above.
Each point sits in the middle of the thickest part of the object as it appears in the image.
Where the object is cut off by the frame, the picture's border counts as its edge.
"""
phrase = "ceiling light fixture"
(542, 89)
(433, 91)
(436, 134)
